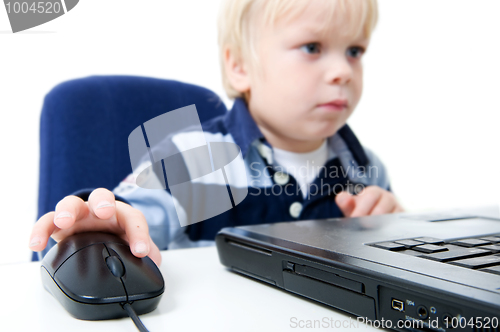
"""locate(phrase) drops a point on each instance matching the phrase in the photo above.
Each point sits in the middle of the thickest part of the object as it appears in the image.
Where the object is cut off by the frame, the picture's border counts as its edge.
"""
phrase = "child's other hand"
(372, 200)
(100, 213)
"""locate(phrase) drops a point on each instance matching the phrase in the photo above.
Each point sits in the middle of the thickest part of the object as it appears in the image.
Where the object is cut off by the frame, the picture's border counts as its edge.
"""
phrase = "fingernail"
(35, 241)
(141, 248)
(63, 214)
(103, 204)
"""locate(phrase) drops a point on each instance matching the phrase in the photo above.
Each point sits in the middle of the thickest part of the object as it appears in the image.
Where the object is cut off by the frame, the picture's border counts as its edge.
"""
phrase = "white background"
(429, 110)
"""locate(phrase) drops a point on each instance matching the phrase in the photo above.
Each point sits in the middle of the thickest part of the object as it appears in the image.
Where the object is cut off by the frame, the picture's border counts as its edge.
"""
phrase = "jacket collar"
(240, 124)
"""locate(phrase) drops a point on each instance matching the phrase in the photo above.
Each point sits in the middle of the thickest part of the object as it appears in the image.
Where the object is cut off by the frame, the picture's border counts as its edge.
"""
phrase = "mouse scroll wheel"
(115, 265)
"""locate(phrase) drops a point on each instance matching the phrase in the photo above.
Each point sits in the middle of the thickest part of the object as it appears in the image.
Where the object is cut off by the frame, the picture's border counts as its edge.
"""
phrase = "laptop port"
(398, 305)
(422, 312)
(446, 319)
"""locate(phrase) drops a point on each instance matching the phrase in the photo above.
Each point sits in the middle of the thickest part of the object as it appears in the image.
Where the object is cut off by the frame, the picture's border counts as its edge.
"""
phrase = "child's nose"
(339, 71)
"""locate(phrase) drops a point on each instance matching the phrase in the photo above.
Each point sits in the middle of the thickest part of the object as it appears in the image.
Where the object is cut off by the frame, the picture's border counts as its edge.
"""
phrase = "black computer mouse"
(93, 275)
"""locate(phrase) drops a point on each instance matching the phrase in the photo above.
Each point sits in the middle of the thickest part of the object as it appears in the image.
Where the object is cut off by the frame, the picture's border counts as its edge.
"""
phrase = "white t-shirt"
(304, 167)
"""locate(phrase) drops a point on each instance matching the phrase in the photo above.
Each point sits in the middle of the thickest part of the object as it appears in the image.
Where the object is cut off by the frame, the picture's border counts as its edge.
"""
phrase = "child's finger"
(365, 201)
(386, 204)
(136, 228)
(102, 203)
(345, 202)
(154, 252)
(41, 232)
(398, 208)
(69, 210)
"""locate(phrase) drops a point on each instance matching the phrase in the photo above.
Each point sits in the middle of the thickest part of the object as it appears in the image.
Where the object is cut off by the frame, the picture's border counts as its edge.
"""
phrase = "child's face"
(301, 71)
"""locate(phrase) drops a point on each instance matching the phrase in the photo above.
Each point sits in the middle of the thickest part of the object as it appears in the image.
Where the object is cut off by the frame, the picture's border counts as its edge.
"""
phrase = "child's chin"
(319, 136)
(327, 132)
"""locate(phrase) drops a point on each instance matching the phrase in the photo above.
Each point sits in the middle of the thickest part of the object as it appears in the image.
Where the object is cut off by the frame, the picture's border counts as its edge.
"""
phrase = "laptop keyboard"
(479, 253)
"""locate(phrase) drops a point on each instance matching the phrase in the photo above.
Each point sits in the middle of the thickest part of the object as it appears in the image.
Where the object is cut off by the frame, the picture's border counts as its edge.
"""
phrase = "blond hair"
(236, 17)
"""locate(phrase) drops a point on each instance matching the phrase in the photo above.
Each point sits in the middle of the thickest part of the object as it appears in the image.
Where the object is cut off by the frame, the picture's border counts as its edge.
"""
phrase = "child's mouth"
(335, 105)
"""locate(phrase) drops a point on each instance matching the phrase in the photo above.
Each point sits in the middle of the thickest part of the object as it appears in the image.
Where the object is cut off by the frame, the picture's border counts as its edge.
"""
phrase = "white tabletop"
(200, 295)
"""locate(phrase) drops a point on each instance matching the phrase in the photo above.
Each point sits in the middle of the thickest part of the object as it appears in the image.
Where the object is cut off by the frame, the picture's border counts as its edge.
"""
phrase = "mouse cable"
(131, 313)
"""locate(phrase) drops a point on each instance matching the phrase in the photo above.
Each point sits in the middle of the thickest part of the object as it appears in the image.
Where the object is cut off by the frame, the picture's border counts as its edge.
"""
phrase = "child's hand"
(370, 201)
(100, 213)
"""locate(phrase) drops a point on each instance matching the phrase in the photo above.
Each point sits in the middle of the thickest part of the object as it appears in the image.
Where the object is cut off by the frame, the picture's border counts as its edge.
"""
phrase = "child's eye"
(311, 48)
(355, 52)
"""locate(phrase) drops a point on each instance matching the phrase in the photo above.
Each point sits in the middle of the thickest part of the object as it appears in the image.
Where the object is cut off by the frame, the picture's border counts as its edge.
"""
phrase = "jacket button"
(281, 178)
(295, 209)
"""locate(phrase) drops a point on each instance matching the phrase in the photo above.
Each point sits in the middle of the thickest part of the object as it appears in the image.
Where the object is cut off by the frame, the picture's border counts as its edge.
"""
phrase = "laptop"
(434, 271)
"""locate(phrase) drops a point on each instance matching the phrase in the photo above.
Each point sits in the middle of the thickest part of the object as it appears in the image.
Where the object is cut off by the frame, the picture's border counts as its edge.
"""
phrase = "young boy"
(294, 69)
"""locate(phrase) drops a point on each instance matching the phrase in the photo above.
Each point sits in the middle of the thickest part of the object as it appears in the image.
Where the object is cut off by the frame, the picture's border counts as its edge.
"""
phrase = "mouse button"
(142, 278)
(68, 246)
(55, 257)
(85, 277)
(59, 253)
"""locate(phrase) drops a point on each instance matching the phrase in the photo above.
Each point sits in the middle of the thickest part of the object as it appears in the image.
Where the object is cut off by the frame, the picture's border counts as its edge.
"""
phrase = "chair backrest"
(85, 124)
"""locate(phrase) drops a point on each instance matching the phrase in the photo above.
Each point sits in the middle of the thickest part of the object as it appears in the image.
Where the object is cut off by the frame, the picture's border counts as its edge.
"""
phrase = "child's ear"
(236, 71)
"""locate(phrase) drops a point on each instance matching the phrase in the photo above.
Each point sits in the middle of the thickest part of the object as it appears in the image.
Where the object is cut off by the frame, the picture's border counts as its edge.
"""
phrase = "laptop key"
(429, 248)
(470, 242)
(429, 240)
(495, 248)
(457, 254)
(389, 246)
(478, 262)
(492, 239)
(409, 243)
(493, 269)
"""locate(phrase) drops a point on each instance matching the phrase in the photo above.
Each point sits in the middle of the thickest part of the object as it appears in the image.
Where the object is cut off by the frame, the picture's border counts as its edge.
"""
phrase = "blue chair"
(85, 125)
